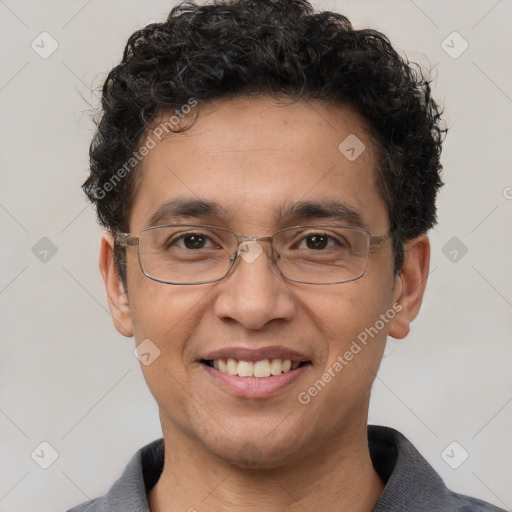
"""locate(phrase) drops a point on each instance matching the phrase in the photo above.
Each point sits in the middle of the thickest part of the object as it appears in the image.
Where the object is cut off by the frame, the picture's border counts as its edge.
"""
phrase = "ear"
(116, 294)
(410, 285)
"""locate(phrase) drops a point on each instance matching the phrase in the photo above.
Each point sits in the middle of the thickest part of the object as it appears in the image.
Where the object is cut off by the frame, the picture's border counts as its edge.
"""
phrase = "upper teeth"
(263, 368)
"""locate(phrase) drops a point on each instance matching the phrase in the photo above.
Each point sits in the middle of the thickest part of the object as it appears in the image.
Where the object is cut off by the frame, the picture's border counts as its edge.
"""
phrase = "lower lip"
(255, 387)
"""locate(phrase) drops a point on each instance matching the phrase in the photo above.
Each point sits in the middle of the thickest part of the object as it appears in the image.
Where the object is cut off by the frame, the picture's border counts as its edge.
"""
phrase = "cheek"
(354, 321)
(343, 313)
(353, 336)
(161, 313)
(156, 308)
(165, 314)
(168, 318)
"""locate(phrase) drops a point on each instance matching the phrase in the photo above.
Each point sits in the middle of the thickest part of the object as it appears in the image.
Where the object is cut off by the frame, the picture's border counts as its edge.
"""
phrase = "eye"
(317, 242)
(191, 241)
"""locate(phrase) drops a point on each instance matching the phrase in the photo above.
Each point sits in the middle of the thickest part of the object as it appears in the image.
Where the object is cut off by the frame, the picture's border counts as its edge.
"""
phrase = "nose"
(254, 293)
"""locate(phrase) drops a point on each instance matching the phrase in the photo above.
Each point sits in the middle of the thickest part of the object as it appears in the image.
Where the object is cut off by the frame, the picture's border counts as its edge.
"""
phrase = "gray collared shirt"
(412, 485)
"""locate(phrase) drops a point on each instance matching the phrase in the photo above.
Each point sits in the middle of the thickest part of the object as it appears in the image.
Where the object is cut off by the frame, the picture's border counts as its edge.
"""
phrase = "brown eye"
(194, 241)
(317, 241)
(191, 241)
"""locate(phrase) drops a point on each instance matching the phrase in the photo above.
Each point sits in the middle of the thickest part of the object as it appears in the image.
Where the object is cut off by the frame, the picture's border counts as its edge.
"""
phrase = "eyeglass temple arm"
(377, 240)
(126, 240)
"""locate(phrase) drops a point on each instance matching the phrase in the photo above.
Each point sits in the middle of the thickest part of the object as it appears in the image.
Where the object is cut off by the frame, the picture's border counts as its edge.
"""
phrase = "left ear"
(410, 285)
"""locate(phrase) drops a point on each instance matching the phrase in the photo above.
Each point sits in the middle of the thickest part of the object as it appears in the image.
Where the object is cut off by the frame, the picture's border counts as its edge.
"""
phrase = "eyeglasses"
(198, 254)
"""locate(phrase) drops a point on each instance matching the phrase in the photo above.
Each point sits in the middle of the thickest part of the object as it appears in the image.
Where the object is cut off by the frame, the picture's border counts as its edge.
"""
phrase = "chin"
(254, 453)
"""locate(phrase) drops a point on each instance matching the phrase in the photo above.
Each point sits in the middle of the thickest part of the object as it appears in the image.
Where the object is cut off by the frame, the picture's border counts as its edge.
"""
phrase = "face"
(257, 161)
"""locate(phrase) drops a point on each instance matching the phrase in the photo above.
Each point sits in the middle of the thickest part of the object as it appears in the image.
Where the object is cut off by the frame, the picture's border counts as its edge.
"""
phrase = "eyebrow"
(327, 209)
(198, 209)
(186, 208)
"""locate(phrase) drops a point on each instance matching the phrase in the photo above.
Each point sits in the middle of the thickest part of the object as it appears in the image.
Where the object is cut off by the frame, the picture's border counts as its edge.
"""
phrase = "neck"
(339, 476)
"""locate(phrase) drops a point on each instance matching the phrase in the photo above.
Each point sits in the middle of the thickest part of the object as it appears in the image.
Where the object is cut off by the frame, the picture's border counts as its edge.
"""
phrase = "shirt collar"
(410, 482)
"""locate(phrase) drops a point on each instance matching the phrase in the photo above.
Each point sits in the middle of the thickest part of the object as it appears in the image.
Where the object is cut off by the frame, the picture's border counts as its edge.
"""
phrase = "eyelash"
(303, 237)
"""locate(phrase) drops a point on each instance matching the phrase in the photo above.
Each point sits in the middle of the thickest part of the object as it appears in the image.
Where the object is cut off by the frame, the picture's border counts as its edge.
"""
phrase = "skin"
(275, 454)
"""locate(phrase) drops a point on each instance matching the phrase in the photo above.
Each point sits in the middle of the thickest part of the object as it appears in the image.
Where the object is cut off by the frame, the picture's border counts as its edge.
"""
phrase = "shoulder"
(410, 482)
(97, 505)
(129, 492)
(468, 504)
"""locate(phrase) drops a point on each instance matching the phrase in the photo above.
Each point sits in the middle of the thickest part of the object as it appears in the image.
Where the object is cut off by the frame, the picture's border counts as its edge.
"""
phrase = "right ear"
(116, 294)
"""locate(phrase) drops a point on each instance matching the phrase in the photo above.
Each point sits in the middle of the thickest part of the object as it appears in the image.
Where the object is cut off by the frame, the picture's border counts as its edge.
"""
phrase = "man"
(266, 176)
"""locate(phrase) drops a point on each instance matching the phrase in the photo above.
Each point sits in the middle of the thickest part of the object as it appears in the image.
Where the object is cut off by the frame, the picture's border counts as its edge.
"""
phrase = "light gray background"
(68, 378)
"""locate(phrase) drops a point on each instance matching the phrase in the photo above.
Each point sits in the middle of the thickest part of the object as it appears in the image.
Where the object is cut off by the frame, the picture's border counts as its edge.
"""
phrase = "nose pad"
(249, 250)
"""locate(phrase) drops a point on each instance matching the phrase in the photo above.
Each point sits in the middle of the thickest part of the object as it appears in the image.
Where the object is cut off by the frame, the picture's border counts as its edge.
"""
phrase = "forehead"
(256, 160)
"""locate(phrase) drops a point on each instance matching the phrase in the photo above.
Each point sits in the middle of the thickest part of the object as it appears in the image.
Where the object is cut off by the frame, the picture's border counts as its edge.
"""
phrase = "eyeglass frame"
(130, 240)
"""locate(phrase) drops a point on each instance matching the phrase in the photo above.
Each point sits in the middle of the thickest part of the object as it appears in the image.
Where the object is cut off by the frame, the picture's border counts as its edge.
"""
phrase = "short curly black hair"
(227, 49)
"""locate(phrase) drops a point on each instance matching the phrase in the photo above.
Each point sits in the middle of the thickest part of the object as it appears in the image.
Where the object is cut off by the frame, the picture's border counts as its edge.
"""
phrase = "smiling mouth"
(259, 369)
